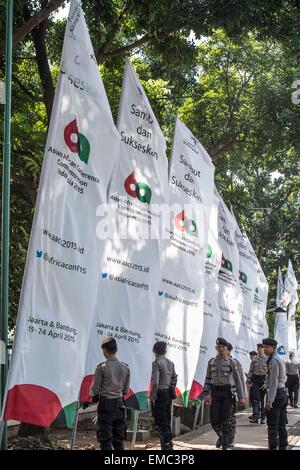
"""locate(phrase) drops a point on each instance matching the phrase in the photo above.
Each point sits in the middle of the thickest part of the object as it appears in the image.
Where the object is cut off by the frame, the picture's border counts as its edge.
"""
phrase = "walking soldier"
(218, 392)
(292, 372)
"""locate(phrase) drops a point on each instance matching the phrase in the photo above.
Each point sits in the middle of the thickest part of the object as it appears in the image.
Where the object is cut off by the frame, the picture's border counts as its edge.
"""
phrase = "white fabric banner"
(259, 324)
(211, 313)
(279, 292)
(248, 266)
(179, 305)
(230, 295)
(132, 263)
(61, 275)
(281, 330)
(291, 296)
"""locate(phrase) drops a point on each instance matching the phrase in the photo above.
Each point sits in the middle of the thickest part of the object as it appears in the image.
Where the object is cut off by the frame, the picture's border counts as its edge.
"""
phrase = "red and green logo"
(184, 224)
(141, 191)
(76, 141)
(226, 263)
(243, 277)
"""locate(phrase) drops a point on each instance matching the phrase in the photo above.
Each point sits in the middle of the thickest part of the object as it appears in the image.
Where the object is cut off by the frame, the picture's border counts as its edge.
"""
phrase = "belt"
(220, 388)
(292, 375)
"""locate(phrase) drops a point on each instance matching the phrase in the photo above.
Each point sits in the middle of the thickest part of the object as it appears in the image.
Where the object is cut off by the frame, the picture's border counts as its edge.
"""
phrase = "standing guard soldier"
(162, 391)
(110, 385)
(292, 372)
(256, 379)
(252, 355)
(218, 392)
(232, 431)
(276, 397)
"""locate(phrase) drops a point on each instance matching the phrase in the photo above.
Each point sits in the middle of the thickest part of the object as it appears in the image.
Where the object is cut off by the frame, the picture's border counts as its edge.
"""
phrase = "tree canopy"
(226, 67)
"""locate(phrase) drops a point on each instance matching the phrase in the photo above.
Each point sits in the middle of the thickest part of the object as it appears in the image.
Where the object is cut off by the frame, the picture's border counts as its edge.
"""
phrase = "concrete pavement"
(248, 436)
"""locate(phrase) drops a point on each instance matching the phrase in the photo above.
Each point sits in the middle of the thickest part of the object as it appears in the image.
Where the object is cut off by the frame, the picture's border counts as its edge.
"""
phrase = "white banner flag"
(281, 331)
(279, 292)
(248, 267)
(291, 296)
(211, 313)
(61, 275)
(259, 324)
(230, 296)
(179, 305)
(132, 264)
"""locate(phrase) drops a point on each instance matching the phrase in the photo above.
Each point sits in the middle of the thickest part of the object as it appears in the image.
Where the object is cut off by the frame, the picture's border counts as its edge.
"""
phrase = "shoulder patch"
(125, 364)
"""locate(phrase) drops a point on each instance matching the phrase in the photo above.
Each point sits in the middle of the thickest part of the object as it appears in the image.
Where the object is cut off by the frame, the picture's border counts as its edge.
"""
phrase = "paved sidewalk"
(248, 436)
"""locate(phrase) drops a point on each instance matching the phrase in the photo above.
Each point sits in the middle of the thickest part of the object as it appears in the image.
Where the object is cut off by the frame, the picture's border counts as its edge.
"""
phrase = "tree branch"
(32, 23)
(36, 99)
(103, 56)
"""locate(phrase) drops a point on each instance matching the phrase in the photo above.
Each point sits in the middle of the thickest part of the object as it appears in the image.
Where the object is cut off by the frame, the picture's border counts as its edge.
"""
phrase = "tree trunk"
(39, 39)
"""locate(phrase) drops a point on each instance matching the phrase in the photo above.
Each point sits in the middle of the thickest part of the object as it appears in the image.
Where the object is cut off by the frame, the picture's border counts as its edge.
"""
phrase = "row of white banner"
(285, 323)
(196, 278)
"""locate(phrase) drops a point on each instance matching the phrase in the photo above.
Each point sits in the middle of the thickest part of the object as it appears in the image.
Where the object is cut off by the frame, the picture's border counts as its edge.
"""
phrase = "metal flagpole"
(5, 205)
(74, 430)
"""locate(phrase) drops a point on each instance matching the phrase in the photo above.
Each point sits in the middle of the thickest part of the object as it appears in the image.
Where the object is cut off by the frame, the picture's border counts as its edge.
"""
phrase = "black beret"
(229, 346)
(160, 347)
(110, 344)
(221, 342)
(269, 342)
(279, 309)
(253, 353)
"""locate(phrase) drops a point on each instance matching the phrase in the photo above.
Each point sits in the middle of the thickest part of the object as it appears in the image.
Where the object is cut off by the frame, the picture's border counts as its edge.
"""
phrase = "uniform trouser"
(111, 427)
(232, 421)
(276, 421)
(258, 396)
(220, 412)
(161, 413)
(293, 388)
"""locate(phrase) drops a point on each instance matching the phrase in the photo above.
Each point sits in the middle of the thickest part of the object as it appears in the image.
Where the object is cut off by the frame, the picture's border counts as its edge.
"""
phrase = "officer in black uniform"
(276, 397)
(162, 391)
(110, 385)
(256, 380)
(221, 371)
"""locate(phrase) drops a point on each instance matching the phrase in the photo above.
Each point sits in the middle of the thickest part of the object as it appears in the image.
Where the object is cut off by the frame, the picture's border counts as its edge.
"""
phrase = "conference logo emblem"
(77, 142)
(256, 290)
(281, 350)
(141, 191)
(226, 263)
(209, 251)
(243, 277)
(184, 224)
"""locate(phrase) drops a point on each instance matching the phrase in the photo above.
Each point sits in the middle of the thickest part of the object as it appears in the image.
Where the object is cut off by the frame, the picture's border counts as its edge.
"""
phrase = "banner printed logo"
(226, 263)
(243, 277)
(281, 350)
(184, 224)
(81, 146)
(137, 190)
(209, 251)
